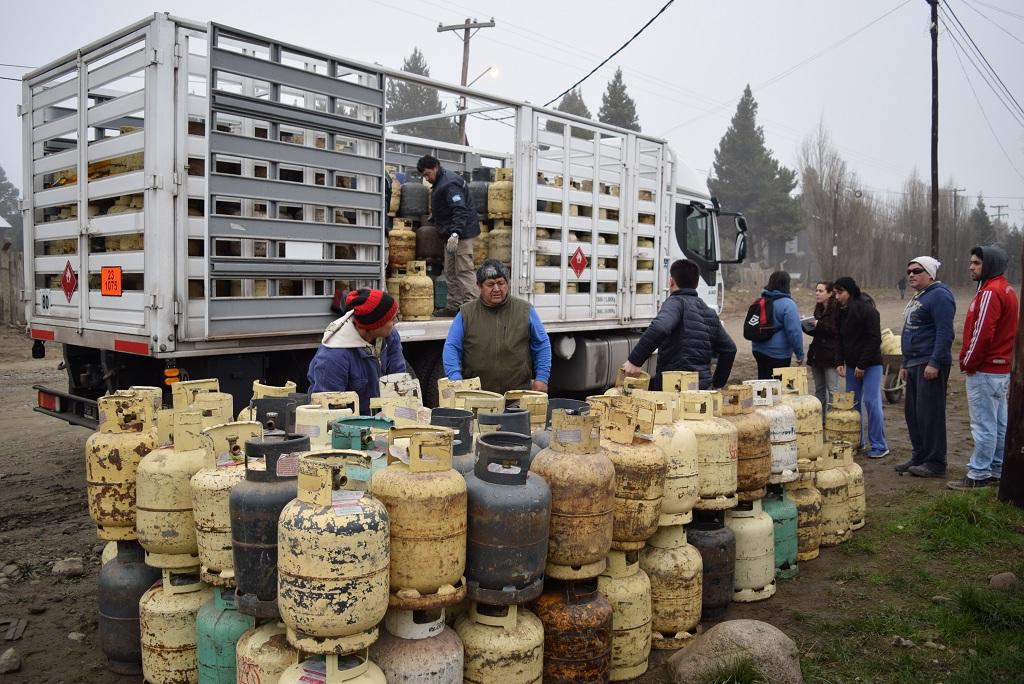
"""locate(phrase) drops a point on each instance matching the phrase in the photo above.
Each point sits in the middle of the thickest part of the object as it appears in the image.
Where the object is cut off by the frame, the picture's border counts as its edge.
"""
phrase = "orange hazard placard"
(110, 281)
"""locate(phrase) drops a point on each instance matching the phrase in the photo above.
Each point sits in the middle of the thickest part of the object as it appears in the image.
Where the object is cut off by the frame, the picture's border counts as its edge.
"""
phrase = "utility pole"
(999, 213)
(1011, 485)
(835, 232)
(469, 29)
(935, 125)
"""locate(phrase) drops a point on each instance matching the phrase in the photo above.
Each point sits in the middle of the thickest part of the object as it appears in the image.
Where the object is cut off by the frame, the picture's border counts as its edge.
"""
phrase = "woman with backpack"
(777, 342)
(859, 358)
(821, 355)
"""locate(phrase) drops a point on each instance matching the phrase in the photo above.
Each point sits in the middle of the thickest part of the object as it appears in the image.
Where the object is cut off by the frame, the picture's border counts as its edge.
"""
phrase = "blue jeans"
(986, 400)
(867, 393)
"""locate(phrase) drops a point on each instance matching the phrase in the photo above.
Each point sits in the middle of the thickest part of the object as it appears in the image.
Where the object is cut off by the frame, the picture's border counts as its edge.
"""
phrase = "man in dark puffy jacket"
(456, 219)
(686, 333)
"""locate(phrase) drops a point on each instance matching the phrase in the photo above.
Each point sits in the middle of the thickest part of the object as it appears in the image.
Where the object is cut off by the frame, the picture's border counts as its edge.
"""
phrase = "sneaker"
(969, 483)
(903, 467)
(445, 313)
(924, 471)
(875, 453)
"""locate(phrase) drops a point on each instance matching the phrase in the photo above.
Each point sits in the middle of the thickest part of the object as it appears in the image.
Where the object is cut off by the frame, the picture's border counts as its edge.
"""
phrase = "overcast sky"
(805, 60)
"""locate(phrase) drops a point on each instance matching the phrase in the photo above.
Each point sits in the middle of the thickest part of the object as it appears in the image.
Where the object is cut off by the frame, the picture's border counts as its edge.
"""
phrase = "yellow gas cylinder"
(446, 390)
(891, 343)
(679, 444)
(628, 590)
(154, 394)
(680, 381)
(754, 578)
(480, 246)
(417, 300)
(807, 499)
(164, 521)
(336, 400)
(640, 467)
(426, 501)
(262, 391)
(211, 488)
(676, 571)
(216, 407)
(396, 195)
(393, 284)
(754, 442)
(499, 242)
(333, 556)
(164, 426)
(167, 622)
(503, 644)
(842, 420)
(314, 420)
(184, 392)
(351, 668)
(782, 421)
(112, 458)
(857, 499)
(499, 195)
(399, 385)
(834, 485)
(403, 411)
(401, 244)
(478, 401)
(534, 403)
(582, 482)
(809, 434)
(626, 384)
(263, 654)
(716, 450)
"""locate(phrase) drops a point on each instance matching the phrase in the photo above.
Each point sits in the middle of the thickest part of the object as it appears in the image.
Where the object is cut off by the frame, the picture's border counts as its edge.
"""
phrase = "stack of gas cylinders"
(496, 538)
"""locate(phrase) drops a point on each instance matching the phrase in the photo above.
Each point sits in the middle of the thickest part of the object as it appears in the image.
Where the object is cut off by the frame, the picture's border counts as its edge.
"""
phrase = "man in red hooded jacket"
(986, 358)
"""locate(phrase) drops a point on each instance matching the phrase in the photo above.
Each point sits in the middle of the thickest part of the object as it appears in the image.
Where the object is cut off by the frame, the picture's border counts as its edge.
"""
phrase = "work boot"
(901, 468)
(925, 471)
(969, 483)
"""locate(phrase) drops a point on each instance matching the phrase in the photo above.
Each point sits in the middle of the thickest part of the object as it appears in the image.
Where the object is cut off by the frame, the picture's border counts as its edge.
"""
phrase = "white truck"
(194, 194)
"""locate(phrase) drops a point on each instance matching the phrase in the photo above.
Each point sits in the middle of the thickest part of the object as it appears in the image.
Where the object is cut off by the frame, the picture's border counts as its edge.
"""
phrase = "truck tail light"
(47, 401)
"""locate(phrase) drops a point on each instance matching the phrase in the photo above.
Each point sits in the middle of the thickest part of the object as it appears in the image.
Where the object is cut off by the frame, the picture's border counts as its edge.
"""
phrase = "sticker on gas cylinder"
(288, 464)
(400, 452)
(226, 460)
(314, 672)
(405, 412)
(110, 281)
(311, 430)
(569, 436)
(447, 393)
(346, 501)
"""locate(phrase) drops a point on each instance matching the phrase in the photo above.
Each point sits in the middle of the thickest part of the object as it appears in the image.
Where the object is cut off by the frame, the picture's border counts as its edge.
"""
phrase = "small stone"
(76, 636)
(933, 645)
(939, 600)
(1004, 580)
(902, 643)
(10, 661)
(36, 610)
(69, 567)
(10, 569)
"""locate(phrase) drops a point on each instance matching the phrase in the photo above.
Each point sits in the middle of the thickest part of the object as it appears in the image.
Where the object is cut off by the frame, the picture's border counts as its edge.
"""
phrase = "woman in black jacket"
(859, 358)
(821, 356)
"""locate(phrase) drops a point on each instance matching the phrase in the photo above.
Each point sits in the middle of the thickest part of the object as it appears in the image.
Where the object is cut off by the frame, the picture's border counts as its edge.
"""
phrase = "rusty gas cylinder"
(755, 552)
(401, 244)
(716, 544)
(628, 590)
(676, 572)
(842, 420)
(834, 486)
(479, 402)
(167, 619)
(808, 522)
(535, 404)
(716, 449)
(480, 245)
(112, 457)
(509, 518)
(502, 644)
(782, 421)
(499, 196)
(217, 408)
(333, 555)
(754, 444)
(350, 668)
(582, 482)
(856, 501)
(577, 621)
(416, 647)
(417, 300)
(263, 654)
(677, 441)
(499, 242)
(426, 505)
(809, 434)
(184, 392)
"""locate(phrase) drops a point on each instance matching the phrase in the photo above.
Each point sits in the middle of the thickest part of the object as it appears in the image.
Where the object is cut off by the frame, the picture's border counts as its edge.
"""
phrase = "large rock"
(773, 653)
(69, 567)
(10, 661)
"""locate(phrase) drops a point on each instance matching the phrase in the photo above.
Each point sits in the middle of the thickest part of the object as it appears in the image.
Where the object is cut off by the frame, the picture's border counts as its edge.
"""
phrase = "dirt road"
(43, 515)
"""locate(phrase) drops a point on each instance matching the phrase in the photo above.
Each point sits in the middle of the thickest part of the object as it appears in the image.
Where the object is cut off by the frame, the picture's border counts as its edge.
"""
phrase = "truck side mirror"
(741, 244)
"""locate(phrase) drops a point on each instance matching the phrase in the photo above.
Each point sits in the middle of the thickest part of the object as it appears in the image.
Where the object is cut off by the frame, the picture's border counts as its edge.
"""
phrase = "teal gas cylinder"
(363, 433)
(218, 627)
(784, 515)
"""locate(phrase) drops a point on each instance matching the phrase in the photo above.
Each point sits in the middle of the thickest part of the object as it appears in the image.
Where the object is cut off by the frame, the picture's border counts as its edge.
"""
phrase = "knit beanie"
(929, 264)
(371, 308)
(849, 284)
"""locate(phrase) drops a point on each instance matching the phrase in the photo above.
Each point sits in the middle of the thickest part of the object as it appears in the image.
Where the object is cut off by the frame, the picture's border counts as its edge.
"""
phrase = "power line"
(17, 66)
(8, 78)
(1000, 9)
(986, 18)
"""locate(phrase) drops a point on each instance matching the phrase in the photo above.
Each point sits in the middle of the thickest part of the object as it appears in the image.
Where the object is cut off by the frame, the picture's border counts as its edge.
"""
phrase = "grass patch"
(861, 546)
(740, 672)
(968, 520)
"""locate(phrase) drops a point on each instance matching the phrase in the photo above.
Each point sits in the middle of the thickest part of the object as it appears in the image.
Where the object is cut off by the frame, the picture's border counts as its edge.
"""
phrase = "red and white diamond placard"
(578, 262)
(68, 281)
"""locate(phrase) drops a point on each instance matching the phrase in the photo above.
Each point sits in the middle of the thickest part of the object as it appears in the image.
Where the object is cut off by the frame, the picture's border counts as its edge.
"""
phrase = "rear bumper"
(69, 408)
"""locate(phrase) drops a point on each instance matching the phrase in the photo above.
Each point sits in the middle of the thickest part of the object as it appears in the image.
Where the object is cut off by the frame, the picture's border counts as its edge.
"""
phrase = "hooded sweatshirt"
(788, 339)
(927, 335)
(991, 322)
(345, 362)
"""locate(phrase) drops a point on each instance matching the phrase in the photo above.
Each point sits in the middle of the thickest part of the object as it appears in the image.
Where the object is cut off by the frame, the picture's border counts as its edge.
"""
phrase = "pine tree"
(407, 100)
(980, 224)
(618, 108)
(9, 210)
(572, 103)
(748, 178)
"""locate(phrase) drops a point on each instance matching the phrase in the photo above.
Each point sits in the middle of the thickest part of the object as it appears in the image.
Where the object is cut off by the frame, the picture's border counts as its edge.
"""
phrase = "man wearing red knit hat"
(358, 348)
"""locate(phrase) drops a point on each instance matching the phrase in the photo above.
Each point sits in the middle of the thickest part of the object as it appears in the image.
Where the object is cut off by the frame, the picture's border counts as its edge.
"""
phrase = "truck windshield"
(695, 232)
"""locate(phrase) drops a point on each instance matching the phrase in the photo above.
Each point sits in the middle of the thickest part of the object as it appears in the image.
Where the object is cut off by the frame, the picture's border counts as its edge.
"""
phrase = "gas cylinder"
(440, 290)
(782, 421)
(509, 518)
(480, 245)
(499, 243)
(628, 590)
(333, 560)
(164, 522)
(123, 580)
(511, 420)
(680, 381)
(502, 644)
(399, 385)
(211, 490)
(676, 571)
(108, 553)
(416, 648)
(217, 407)
(461, 421)
(263, 654)
(857, 501)
(446, 389)
(535, 403)
(264, 391)
(401, 244)
(626, 384)
(582, 481)
(184, 392)
(478, 191)
(167, 617)
(363, 433)
(313, 420)
(753, 431)
(414, 201)
(426, 504)
(112, 458)
(393, 284)
(351, 668)
(717, 445)
(808, 522)
(834, 486)
(640, 467)
(255, 504)
(499, 195)
(429, 245)
(154, 394)
(755, 552)
(809, 433)
(417, 301)
(403, 411)
(679, 444)
(219, 625)
(717, 546)
(396, 195)
(478, 401)
(783, 513)
(842, 420)
(577, 621)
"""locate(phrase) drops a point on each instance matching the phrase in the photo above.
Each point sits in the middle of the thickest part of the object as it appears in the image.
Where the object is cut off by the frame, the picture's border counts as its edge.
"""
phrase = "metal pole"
(935, 126)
